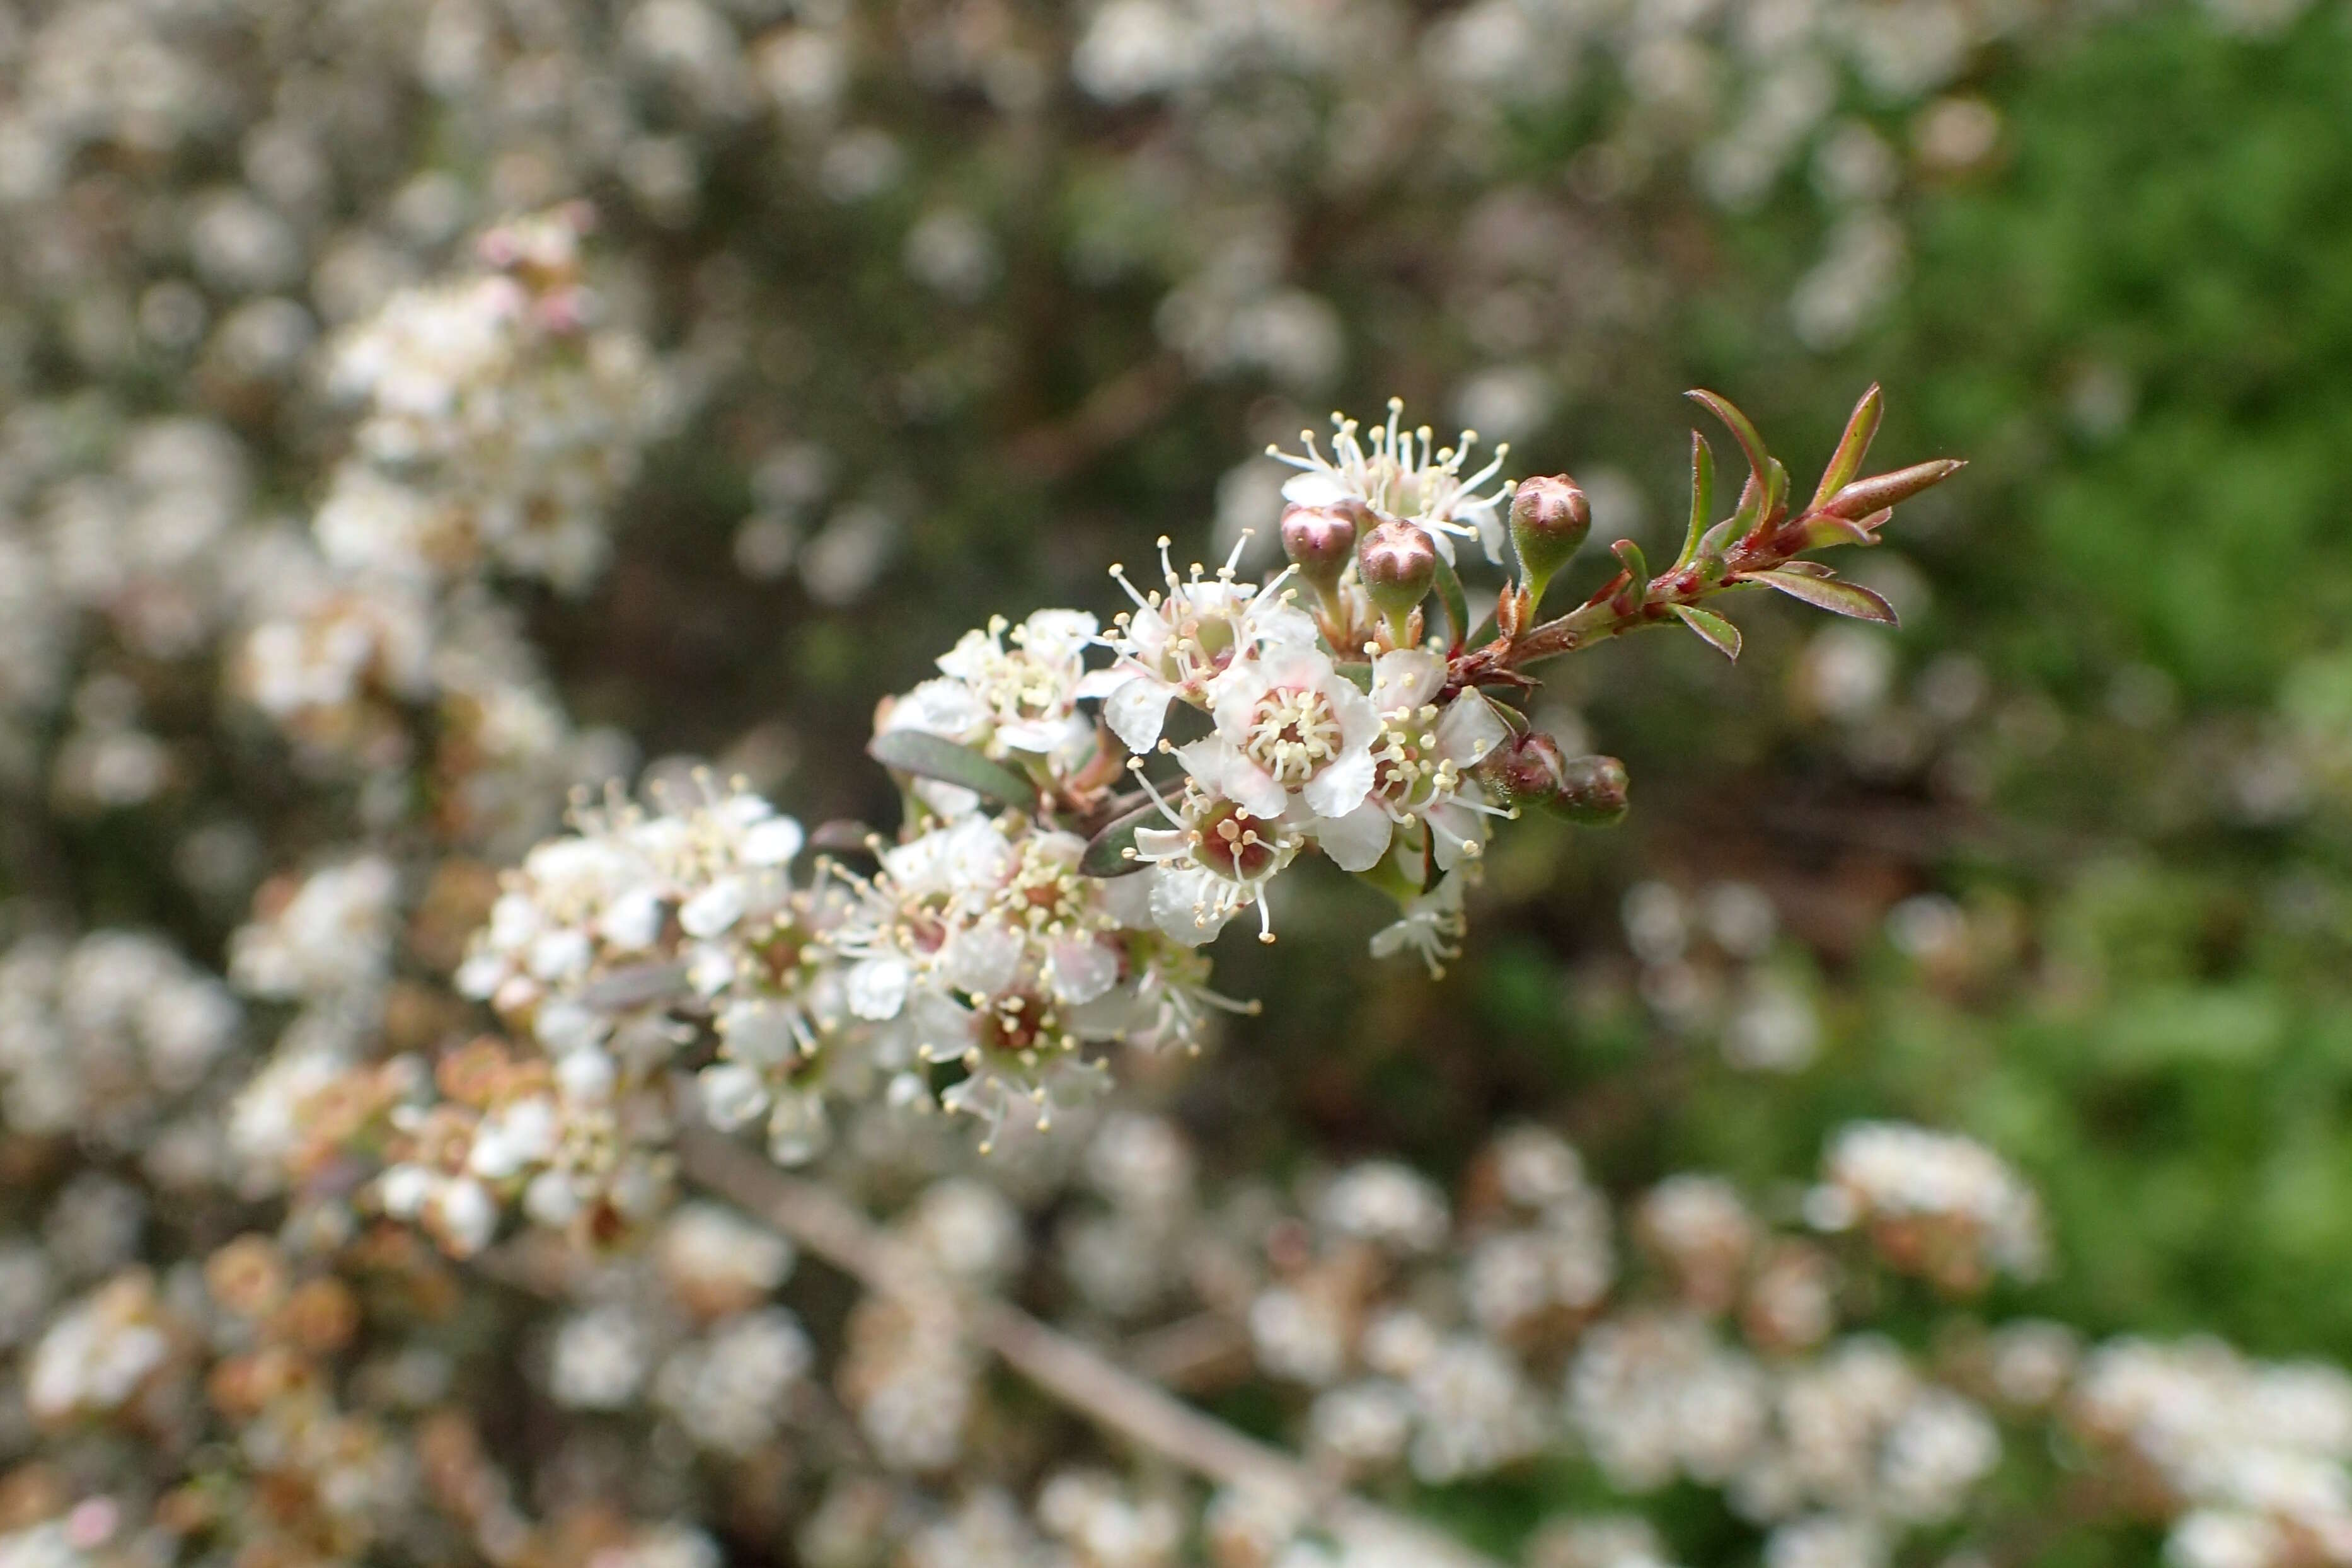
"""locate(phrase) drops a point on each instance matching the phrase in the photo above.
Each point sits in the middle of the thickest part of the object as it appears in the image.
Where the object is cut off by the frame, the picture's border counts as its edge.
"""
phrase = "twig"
(1194, 1352)
(1080, 1377)
(1117, 411)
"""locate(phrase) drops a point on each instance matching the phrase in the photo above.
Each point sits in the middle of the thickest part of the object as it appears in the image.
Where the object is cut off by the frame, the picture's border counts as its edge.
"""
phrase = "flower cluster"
(1934, 1204)
(1045, 897)
(500, 420)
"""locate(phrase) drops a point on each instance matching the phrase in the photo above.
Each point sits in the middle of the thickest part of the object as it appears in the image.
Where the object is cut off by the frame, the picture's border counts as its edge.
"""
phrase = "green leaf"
(1712, 629)
(1108, 853)
(634, 986)
(1852, 447)
(933, 757)
(1750, 509)
(1457, 605)
(1776, 486)
(1833, 594)
(1702, 497)
(1741, 428)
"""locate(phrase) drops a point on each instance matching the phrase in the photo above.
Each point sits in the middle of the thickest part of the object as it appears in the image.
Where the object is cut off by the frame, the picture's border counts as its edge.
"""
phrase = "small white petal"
(878, 987)
(1137, 713)
(1341, 787)
(1081, 971)
(713, 910)
(1358, 839)
(773, 842)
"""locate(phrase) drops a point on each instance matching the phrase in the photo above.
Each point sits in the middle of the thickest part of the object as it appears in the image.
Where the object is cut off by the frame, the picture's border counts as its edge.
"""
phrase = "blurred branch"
(1073, 1373)
(1117, 411)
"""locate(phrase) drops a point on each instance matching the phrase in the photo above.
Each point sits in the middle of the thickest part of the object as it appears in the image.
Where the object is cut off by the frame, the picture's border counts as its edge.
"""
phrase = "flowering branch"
(1759, 545)
(1033, 910)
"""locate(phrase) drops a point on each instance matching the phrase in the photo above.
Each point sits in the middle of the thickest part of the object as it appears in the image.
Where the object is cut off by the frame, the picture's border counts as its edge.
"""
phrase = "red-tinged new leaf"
(1713, 630)
(1863, 497)
(1742, 429)
(1846, 461)
(1832, 594)
(1702, 497)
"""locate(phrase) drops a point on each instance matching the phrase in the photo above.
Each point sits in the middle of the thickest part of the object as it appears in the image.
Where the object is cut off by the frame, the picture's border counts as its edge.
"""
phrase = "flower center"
(1046, 894)
(1406, 771)
(1020, 1025)
(1234, 843)
(1023, 686)
(1293, 734)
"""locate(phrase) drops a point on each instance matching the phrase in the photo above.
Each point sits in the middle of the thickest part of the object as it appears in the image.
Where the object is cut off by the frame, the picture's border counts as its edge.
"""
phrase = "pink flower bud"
(1527, 770)
(1319, 539)
(1397, 564)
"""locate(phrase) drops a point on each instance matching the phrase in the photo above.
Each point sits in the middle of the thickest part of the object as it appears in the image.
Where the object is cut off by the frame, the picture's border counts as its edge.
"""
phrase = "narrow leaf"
(1833, 594)
(633, 987)
(1107, 852)
(1637, 575)
(1736, 422)
(933, 757)
(1863, 497)
(1712, 629)
(1702, 497)
(1827, 528)
(1851, 447)
(1457, 607)
(1751, 507)
(1776, 486)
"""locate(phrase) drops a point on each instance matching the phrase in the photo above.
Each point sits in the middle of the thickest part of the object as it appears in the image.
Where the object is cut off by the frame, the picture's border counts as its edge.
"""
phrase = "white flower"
(1420, 760)
(1213, 862)
(1028, 690)
(1172, 646)
(1403, 474)
(1289, 725)
(1431, 927)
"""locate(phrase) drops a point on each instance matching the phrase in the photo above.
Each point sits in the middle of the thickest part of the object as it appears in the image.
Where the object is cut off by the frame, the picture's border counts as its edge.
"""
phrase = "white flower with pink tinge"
(1419, 761)
(1212, 863)
(1403, 474)
(1294, 736)
(1172, 646)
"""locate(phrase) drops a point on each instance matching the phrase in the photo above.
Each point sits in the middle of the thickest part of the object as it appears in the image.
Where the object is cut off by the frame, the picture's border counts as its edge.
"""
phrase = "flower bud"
(1319, 541)
(1397, 564)
(1526, 771)
(1593, 791)
(1550, 517)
